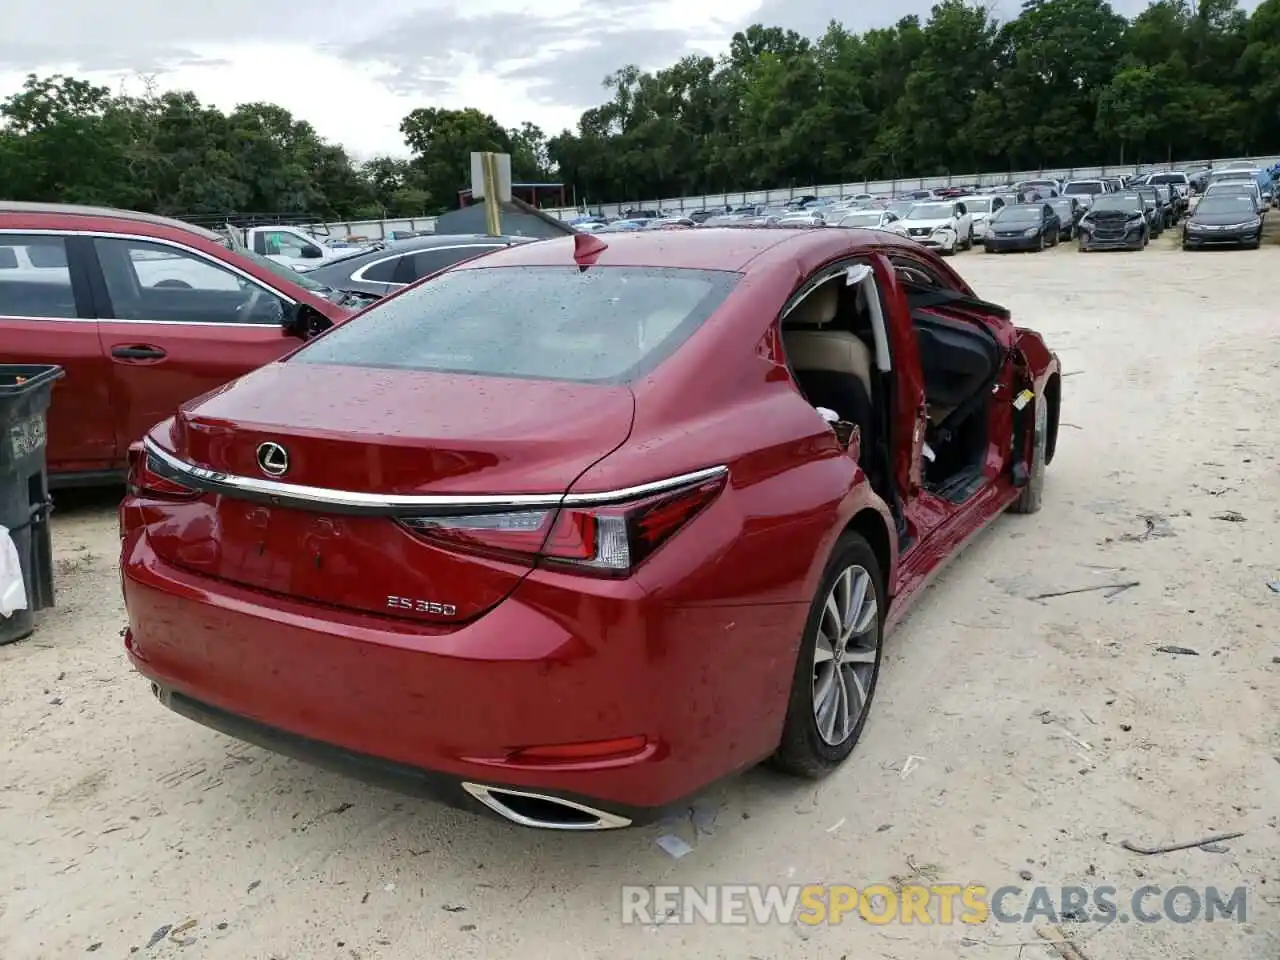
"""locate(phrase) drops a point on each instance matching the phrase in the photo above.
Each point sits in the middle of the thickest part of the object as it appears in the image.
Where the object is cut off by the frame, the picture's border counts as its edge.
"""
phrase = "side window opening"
(154, 281)
(35, 280)
(382, 271)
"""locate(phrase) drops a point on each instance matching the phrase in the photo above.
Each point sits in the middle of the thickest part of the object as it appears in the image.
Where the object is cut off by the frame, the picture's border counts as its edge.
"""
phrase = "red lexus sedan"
(576, 529)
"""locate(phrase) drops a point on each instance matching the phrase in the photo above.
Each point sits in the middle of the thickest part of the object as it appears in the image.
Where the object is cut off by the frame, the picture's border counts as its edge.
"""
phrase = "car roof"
(75, 211)
(706, 248)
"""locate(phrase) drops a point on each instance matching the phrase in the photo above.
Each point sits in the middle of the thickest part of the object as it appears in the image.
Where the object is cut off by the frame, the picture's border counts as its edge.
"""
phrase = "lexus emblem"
(273, 459)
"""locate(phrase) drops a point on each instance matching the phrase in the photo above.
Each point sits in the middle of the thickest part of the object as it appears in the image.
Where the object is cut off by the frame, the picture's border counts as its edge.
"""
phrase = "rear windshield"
(1084, 188)
(1169, 178)
(606, 324)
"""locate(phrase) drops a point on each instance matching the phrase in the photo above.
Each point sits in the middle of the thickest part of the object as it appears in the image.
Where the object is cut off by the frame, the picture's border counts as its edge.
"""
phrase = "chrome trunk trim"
(352, 502)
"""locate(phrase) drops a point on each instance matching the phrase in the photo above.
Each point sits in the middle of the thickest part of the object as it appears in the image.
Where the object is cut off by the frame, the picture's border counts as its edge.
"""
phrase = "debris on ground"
(1178, 651)
(1170, 848)
(674, 846)
(159, 935)
(1155, 525)
(1230, 516)
(1112, 588)
(1060, 943)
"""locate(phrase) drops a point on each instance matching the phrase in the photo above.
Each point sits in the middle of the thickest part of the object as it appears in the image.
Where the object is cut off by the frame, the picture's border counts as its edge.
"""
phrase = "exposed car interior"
(830, 346)
(960, 362)
(829, 342)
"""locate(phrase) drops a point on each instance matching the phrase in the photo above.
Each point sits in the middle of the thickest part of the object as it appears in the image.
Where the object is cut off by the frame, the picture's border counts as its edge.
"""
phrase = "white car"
(874, 220)
(980, 208)
(944, 225)
(1085, 191)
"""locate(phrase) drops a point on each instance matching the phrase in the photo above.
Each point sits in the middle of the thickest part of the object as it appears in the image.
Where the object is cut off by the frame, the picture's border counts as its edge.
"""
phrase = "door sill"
(959, 487)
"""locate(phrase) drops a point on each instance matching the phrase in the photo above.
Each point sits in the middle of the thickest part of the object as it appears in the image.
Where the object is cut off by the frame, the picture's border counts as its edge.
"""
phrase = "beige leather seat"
(811, 347)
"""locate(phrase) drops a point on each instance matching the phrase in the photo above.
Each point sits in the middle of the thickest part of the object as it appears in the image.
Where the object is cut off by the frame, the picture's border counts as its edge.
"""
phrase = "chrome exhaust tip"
(543, 812)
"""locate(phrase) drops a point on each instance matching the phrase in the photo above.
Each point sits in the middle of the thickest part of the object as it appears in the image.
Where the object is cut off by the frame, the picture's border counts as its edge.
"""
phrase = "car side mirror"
(303, 321)
(311, 252)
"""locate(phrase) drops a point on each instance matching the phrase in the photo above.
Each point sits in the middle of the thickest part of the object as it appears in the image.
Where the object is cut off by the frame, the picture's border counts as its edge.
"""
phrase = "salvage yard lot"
(1012, 735)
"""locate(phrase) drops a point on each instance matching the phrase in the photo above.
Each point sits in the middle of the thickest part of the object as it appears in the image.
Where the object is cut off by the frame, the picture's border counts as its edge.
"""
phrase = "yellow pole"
(492, 214)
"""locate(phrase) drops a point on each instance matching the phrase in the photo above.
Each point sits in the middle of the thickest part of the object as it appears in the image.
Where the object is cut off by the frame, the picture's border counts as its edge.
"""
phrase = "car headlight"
(1030, 231)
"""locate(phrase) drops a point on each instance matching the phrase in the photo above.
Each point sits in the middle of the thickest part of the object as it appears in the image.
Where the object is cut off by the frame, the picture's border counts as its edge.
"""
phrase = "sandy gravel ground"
(1044, 732)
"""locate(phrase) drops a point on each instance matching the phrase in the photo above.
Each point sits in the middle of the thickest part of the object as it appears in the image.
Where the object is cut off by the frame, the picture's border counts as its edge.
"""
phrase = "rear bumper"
(451, 791)
(425, 709)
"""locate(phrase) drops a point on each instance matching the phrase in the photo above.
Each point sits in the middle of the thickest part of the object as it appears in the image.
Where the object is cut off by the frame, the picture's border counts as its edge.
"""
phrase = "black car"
(1022, 226)
(1155, 205)
(1069, 211)
(1223, 218)
(1116, 221)
(373, 272)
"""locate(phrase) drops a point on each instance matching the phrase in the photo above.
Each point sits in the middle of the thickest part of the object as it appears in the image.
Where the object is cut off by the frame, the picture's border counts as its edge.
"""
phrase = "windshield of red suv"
(604, 324)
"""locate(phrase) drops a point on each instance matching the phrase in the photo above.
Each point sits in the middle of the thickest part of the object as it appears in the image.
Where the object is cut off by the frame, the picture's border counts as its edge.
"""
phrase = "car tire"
(1040, 244)
(806, 750)
(1029, 499)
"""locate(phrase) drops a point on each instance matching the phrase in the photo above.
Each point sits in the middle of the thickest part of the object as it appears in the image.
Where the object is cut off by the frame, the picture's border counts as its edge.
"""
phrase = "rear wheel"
(837, 665)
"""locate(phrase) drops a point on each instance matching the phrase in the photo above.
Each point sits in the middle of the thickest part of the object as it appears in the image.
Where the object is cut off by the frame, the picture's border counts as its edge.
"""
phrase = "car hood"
(1217, 219)
(934, 223)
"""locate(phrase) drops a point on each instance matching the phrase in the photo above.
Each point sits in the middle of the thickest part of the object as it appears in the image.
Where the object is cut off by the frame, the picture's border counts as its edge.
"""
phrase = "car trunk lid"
(361, 449)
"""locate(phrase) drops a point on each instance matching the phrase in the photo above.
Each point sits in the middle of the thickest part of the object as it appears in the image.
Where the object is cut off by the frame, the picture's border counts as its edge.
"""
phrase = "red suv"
(143, 313)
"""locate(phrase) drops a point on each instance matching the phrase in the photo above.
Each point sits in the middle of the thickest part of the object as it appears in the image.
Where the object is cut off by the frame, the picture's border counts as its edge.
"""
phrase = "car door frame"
(85, 323)
(104, 312)
(936, 529)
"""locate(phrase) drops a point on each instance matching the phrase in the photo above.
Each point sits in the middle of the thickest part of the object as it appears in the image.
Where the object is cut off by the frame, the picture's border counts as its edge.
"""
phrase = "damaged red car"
(574, 530)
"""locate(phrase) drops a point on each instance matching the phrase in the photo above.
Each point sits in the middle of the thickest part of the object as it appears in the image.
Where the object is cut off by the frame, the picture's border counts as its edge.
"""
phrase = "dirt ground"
(1042, 733)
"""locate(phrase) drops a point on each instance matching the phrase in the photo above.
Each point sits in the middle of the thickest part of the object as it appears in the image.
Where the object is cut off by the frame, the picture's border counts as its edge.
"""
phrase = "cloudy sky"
(355, 67)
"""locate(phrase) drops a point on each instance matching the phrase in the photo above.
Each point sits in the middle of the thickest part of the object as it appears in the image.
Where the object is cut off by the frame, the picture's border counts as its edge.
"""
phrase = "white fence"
(380, 228)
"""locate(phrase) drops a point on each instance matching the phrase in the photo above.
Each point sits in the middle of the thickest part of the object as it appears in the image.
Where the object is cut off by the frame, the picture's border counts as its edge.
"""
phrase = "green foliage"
(1065, 83)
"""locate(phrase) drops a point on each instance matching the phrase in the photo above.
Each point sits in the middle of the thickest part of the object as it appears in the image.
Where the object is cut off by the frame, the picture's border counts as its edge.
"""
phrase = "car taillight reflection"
(609, 540)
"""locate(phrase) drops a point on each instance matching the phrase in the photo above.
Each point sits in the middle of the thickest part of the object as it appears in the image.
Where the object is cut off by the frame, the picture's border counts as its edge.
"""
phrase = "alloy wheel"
(844, 657)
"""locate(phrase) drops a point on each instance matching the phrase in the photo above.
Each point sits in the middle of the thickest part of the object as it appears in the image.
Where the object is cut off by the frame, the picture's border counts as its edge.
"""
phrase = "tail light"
(607, 540)
(144, 482)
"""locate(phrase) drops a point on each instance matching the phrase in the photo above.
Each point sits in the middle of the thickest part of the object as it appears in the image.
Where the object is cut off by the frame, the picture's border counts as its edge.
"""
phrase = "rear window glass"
(606, 324)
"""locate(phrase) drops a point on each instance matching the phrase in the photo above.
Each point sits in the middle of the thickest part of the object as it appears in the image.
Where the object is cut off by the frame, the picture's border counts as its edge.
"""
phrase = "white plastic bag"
(13, 591)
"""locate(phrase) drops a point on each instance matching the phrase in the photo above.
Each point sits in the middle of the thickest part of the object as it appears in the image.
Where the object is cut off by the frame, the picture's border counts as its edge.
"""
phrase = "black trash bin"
(26, 391)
